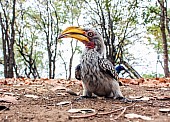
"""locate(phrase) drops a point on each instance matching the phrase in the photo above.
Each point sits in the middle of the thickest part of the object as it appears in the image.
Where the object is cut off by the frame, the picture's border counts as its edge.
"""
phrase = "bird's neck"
(96, 50)
(90, 54)
(89, 45)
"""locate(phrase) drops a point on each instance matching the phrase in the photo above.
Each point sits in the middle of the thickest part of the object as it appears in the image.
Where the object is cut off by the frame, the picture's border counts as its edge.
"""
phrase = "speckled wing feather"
(78, 72)
(107, 67)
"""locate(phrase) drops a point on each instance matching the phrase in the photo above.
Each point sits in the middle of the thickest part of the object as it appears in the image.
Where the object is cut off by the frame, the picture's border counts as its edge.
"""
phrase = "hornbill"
(97, 73)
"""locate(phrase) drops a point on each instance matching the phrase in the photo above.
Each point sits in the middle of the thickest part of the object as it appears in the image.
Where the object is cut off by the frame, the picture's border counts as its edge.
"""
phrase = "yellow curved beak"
(74, 32)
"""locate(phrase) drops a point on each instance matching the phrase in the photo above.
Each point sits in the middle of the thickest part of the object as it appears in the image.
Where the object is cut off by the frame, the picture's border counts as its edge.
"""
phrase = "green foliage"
(156, 32)
(153, 75)
(151, 18)
(78, 49)
(151, 14)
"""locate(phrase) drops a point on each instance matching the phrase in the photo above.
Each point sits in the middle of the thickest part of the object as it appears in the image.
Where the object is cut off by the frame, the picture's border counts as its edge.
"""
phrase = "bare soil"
(49, 93)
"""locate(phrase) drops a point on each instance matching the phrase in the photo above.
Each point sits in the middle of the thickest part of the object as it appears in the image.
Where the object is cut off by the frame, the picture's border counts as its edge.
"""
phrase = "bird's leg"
(118, 95)
(86, 94)
(122, 99)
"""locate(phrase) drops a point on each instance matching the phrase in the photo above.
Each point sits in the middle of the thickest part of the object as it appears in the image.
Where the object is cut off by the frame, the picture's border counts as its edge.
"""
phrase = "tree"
(7, 22)
(74, 9)
(63, 62)
(164, 25)
(28, 55)
(47, 18)
(157, 21)
(115, 19)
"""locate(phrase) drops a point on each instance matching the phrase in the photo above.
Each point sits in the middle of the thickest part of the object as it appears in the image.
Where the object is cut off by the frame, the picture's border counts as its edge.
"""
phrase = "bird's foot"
(125, 100)
(85, 97)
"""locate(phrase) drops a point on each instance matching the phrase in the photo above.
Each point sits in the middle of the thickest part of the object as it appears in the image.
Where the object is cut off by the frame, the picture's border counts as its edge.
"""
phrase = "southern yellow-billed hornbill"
(98, 74)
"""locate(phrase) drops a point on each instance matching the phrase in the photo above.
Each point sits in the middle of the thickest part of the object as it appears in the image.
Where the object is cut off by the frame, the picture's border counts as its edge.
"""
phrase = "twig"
(105, 113)
(121, 113)
(109, 112)
(84, 116)
(124, 110)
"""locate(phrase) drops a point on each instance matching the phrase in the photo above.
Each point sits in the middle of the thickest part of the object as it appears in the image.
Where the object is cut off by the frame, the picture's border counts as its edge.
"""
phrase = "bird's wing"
(78, 72)
(107, 67)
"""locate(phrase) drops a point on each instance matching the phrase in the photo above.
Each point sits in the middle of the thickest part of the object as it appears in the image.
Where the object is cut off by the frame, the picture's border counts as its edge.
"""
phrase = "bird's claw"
(79, 98)
(125, 100)
(84, 97)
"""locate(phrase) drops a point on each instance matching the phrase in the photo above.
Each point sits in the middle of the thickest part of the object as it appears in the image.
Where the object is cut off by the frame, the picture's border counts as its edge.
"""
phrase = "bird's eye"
(90, 34)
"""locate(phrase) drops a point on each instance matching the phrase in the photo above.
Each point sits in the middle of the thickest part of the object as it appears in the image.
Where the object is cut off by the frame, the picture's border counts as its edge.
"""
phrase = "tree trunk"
(132, 72)
(4, 37)
(73, 51)
(70, 66)
(11, 46)
(8, 39)
(164, 39)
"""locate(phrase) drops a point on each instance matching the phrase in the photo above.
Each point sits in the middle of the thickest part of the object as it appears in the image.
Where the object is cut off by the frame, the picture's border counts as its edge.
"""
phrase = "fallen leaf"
(132, 115)
(164, 110)
(144, 98)
(19, 84)
(64, 103)
(140, 98)
(58, 87)
(44, 79)
(3, 107)
(41, 90)
(163, 98)
(51, 81)
(166, 89)
(10, 99)
(134, 82)
(62, 94)
(31, 96)
(9, 93)
(71, 92)
(73, 110)
(3, 82)
(81, 110)
(36, 85)
(4, 89)
(135, 97)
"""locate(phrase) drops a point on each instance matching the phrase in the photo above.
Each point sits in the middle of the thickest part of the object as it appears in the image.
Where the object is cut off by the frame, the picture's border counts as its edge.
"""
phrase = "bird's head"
(91, 38)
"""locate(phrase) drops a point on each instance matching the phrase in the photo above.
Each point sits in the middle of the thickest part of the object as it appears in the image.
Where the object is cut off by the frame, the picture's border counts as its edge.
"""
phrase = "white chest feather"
(89, 62)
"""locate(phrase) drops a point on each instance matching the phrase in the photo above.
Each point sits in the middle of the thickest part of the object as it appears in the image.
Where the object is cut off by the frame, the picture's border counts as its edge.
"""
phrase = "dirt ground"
(49, 101)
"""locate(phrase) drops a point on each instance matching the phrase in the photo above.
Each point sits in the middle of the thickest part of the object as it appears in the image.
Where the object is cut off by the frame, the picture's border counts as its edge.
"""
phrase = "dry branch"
(104, 113)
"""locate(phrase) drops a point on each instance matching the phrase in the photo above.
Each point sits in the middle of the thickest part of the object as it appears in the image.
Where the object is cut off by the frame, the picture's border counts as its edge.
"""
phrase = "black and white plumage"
(78, 72)
(98, 74)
